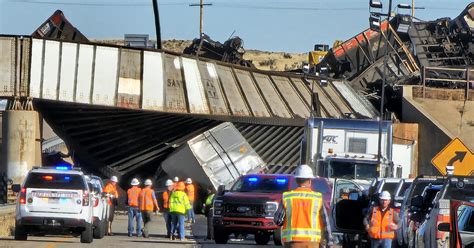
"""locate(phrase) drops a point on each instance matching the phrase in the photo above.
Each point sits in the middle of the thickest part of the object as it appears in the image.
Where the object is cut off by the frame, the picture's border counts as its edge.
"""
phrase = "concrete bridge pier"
(21, 144)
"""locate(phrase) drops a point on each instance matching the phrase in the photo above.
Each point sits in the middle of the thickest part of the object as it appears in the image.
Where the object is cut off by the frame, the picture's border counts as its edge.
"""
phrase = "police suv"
(54, 200)
(100, 206)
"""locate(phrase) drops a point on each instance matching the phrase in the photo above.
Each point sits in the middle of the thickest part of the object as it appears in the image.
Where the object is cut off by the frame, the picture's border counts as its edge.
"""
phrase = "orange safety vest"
(111, 189)
(133, 194)
(302, 218)
(190, 192)
(166, 199)
(148, 200)
(379, 225)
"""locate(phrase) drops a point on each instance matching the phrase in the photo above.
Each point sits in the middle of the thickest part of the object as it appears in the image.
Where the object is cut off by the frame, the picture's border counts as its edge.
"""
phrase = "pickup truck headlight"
(217, 206)
(270, 209)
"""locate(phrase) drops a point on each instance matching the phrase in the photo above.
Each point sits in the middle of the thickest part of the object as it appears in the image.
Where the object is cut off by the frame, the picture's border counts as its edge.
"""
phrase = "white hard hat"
(304, 171)
(114, 179)
(176, 179)
(135, 182)
(385, 195)
(189, 181)
(148, 182)
(168, 183)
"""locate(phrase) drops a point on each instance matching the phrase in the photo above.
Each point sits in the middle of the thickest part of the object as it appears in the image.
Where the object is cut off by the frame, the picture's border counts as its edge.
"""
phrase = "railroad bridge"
(121, 111)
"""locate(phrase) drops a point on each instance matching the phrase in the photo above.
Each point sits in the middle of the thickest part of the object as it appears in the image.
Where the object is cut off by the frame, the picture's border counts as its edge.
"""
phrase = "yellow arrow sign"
(456, 154)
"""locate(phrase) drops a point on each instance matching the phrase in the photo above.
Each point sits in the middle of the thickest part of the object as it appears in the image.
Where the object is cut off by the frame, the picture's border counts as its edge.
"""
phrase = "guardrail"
(444, 75)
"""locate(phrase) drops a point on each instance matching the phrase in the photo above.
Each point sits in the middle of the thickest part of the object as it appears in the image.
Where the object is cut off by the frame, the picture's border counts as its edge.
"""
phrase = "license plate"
(51, 223)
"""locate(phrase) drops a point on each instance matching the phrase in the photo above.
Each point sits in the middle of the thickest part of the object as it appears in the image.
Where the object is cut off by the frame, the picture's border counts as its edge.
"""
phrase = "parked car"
(382, 184)
(348, 212)
(100, 206)
(400, 191)
(454, 188)
(421, 206)
(461, 226)
(415, 189)
(54, 201)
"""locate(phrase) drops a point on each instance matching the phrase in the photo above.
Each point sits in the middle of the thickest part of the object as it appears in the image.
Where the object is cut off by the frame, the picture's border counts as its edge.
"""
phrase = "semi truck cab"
(347, 148)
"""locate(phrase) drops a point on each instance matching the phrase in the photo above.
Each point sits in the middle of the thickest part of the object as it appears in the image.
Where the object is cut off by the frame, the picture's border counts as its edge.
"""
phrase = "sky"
(268, 25)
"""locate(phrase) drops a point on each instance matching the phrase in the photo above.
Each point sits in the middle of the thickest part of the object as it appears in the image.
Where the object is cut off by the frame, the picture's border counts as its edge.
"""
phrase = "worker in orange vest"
(111, 190)
(148, 204)
(191, 196)
(166, 206)
(302, 214)
(381, 222)
(133, 211)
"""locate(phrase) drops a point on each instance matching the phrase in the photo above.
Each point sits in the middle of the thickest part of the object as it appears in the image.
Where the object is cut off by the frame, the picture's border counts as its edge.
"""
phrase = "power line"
(101, 4)
(216, 5)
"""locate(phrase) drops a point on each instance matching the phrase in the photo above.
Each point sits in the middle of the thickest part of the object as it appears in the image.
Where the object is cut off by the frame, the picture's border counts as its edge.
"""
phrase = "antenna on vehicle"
(232, 34)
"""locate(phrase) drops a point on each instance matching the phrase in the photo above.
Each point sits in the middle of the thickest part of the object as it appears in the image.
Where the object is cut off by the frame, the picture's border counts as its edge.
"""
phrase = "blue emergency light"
(281, 180)
(63, 167)
(252, 179)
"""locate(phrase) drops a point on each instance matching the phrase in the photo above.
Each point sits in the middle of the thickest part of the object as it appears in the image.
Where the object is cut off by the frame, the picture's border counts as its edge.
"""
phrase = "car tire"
(98, 232)
(277, 237)
(220, 237)
(105, 227)
(20, 233)
(262, 238)
(87, 234)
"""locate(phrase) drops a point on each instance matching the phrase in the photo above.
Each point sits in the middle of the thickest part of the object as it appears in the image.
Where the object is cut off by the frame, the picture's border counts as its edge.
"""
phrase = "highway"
(195, 238)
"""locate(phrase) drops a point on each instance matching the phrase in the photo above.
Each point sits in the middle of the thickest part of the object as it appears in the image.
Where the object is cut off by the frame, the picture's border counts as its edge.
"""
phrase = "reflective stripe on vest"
(133, 194)
(302, 221)
(380, 224)
(147, 200)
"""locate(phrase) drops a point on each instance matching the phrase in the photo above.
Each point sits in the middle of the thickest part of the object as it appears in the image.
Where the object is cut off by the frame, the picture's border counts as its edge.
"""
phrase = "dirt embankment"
(264, 60)
(8, 224)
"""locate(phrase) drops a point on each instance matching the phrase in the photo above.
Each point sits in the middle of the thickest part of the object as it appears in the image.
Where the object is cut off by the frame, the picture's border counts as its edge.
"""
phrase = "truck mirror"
(444, 227)
(16, 188)
(220, 190)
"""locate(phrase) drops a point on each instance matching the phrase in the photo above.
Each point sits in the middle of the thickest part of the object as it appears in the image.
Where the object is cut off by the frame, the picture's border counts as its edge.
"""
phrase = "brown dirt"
(8, 225)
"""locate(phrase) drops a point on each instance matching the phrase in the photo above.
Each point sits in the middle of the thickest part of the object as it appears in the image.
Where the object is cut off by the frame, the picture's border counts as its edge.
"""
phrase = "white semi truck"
(348, 148)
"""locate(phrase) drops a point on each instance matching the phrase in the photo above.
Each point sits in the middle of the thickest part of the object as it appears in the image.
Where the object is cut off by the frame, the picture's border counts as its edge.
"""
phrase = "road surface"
(195, 238)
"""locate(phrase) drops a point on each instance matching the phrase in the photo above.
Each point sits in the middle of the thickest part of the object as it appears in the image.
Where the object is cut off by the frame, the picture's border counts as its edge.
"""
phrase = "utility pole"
(412, 8)
(201, 14)
(157, 24)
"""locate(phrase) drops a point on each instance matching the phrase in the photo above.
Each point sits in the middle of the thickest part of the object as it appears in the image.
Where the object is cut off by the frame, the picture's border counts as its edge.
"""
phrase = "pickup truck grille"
(243, 210)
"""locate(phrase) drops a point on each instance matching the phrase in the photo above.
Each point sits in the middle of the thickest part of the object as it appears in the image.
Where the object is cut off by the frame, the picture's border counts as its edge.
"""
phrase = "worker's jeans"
(146, 216)
(134, 214)
(177, 222)
(381, 243)
(167, 216)
(191, 217)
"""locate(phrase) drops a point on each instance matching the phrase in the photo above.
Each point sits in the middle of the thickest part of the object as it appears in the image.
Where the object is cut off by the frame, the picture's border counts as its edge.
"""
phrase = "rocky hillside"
(271, 61)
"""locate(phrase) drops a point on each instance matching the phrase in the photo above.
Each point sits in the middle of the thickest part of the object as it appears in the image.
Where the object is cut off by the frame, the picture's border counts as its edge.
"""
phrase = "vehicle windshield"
(405, 186)
(261, 184)
(352, 170)
(55, 181)
(390, 187)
